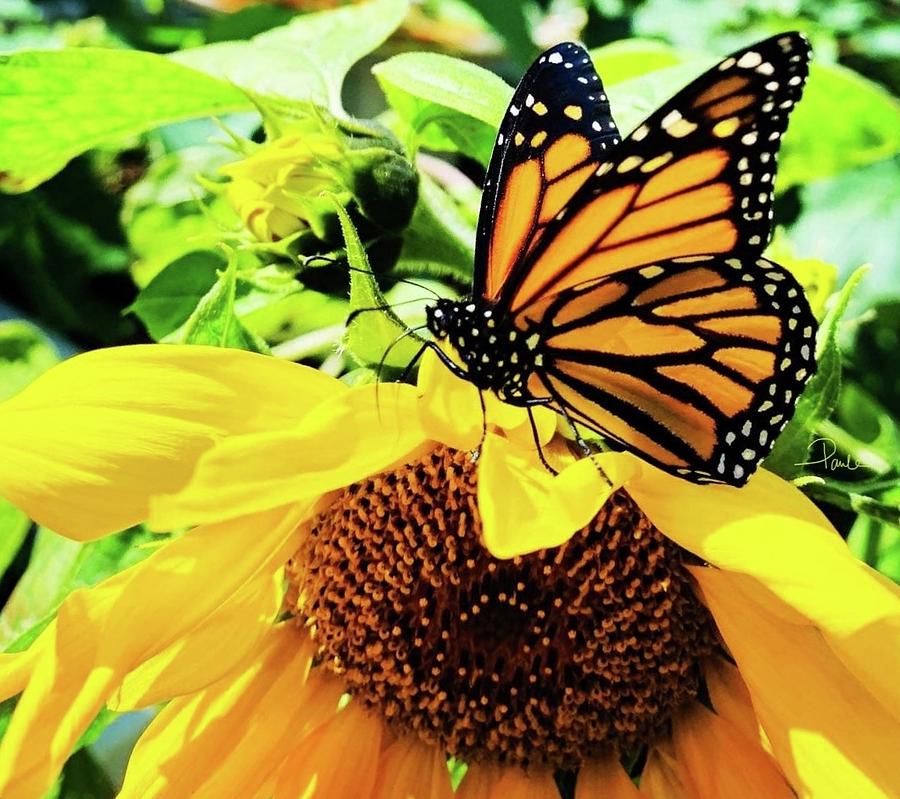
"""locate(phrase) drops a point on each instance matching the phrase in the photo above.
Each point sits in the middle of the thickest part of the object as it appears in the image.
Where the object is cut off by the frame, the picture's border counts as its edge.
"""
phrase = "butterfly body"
(621, 282)
(493, 354)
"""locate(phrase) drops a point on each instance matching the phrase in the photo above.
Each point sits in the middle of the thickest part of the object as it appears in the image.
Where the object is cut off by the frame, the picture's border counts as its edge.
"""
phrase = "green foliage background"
(115, 225)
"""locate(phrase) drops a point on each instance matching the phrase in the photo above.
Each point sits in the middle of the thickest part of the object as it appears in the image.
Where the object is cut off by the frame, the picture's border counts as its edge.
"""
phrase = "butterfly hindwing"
(695, 363)
(555, 132)
(695, 178)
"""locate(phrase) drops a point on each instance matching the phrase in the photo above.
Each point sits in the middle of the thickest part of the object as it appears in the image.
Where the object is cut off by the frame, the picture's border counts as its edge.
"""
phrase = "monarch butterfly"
(620, 281)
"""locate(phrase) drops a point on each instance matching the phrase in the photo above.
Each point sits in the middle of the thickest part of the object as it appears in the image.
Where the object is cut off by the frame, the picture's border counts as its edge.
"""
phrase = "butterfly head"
(492, 354)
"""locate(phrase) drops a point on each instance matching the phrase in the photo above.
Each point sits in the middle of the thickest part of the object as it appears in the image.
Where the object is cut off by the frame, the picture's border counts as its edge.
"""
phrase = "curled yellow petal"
(231, 634)
(358, 433)
(487, 781)
(340, 758)
(84, 446)
(605, 778)
(228, 739)
(730, 697)
(525, 508)
(715, 759)
(660, 778)
(449, 408)
(105, 632)
(768, 529)
(411, 769)
(830, 734)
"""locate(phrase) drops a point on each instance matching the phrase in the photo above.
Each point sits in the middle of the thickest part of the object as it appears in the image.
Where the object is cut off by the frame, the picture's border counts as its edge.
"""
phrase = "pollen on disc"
(550, 658)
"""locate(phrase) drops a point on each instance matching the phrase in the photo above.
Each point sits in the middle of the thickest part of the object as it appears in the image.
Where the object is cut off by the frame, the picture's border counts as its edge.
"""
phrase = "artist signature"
(828, 460)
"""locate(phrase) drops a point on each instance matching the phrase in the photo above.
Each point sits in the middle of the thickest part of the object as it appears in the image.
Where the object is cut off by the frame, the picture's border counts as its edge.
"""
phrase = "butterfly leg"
(586, 449)
(537, 439)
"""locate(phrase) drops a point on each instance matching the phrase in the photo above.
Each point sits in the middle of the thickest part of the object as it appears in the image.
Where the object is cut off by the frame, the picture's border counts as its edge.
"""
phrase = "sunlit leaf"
(462, 101)
(214, 321)
(843, 121)
(306, 59)
(57, 104)
(170, 298)
(851, 219)
(631, 58)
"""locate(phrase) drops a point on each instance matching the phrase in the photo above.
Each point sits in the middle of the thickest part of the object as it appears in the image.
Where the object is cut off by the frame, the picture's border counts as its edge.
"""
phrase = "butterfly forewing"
(696, 363)
(555, 132)
(695, 178)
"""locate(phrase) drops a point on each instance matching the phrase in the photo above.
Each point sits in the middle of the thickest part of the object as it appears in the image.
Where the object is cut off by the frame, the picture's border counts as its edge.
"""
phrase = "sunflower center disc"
(548, 658)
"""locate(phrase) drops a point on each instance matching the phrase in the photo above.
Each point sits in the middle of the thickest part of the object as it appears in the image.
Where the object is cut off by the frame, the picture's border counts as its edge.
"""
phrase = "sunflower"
(358, 598)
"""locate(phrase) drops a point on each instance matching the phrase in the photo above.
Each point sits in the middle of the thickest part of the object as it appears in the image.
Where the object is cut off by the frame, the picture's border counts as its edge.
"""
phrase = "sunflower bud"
(283, 188)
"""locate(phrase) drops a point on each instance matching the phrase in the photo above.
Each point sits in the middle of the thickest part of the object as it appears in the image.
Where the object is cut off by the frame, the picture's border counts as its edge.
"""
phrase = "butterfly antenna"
(403, 377)
(351, 317)
(398, 280)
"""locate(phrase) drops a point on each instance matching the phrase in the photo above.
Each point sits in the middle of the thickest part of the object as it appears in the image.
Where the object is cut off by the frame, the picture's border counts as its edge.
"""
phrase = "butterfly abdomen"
(494, 354)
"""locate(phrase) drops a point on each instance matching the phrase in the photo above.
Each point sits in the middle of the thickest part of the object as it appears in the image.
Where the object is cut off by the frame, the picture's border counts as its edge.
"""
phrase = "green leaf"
(14, 527)
(375, 335)
(168, 300)
(57, 104)
(57, 567)
(439, 241)
(214, 321)
(821, 394)
(25, 352)
(851, 219)
(462, 102)
(307, 59)
(631, 58)
(843, 121)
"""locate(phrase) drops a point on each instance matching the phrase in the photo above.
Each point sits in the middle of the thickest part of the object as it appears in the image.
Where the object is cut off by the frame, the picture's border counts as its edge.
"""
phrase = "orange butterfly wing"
(695, 362)
(695, 178)
(554, 134)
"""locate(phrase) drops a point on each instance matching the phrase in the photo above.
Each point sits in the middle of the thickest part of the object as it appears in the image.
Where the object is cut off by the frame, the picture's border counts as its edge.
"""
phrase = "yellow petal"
(770, 530)
(358, 433)
(524, 508)
(209, 651)
(449, 408)
(830, 735)
(484, 781)
(411, 769)
(228, 739)
(717, 761)
(605, 779)
(730, 697)
(57, 705)
(338, 759)
(16, 667)
(660, 779)
(105, 632)
(84, 446)
(519, 429)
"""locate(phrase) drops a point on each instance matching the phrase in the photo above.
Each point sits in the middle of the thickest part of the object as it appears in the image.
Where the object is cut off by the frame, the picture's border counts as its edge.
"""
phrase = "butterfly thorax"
(494, 354)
